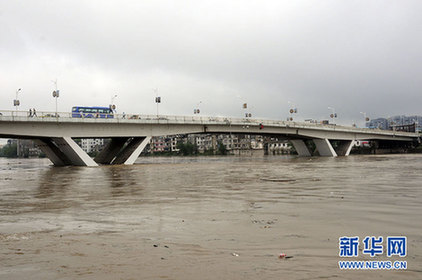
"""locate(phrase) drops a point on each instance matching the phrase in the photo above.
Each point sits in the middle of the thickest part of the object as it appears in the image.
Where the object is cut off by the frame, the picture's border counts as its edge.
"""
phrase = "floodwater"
(207, 217)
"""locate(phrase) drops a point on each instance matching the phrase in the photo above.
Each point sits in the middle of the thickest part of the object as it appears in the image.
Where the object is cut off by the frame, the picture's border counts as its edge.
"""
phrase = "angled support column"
(301, 148)
(110, 151)
(324, 147)
(132, 150)
(75, 153)
(64, 151)
(52, 152)
(344, 147)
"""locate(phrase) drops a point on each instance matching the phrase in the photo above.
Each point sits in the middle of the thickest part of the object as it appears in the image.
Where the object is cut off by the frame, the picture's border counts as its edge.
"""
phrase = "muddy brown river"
(207, 217)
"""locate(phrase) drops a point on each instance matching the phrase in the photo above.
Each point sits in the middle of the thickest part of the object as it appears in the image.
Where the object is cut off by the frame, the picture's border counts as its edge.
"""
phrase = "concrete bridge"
(130, 134)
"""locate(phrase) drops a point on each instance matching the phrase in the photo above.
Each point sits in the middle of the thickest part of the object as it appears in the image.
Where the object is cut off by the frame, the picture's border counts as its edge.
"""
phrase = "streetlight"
(112, 106)
(56, 94)
(292, 110)
(245, 106)
(365, 117)
(333, 115)
(196, 110)
(16, 102)
(157, 99)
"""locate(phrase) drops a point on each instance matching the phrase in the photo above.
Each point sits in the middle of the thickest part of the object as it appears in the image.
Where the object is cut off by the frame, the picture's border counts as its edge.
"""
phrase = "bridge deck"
(249, 125)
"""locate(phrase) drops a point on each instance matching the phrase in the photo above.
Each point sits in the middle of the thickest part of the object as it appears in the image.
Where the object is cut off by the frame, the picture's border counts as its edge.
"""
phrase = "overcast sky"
(354, 56)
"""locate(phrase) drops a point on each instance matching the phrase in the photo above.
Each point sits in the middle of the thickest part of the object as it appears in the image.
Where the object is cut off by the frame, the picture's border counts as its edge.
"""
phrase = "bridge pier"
(344, 147)
(301, 148)
(110, 151)
(122, 150)
(131, 151)
(324, 147)
(48, 146)
(64, 151)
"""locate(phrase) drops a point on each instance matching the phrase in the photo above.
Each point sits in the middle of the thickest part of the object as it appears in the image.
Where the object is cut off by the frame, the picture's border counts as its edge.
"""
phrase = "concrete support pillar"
(64, 151)
(132, 150)
(301, 148)
(110, 151)
(344, 147)
(52, 152)
(75, 153)
(324, 147)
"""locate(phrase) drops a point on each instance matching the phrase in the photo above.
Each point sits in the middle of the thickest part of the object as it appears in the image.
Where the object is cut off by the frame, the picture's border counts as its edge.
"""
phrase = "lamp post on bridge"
(157, 99)
(112, 106)
(196, 110)
(365, 117)
(292, 110)
(56, 94)
(333, 114)
(16, 102)
(245, 106)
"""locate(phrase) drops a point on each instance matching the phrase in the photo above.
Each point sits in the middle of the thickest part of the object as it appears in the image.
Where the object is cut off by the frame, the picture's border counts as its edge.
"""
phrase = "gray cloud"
(352, 55)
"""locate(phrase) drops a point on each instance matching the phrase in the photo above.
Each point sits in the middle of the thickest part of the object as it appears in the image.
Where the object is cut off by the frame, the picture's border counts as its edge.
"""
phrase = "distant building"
(161, 144)
(207, 142)
(403, 123)
(277, 146)
(25, 147)
(204, 142)
(231, 142)
(90, 145)
(257, 142)
(173, 142)
(380, 123)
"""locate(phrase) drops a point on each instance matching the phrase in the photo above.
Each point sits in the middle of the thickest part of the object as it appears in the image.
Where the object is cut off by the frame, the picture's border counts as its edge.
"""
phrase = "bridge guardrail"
(163, 119)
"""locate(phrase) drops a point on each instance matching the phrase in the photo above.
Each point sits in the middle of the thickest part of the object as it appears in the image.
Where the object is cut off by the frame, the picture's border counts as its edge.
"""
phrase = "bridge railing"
(48, 116)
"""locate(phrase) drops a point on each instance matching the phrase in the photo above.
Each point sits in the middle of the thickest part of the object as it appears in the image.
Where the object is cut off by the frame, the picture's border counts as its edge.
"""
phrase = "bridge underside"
(65, 151)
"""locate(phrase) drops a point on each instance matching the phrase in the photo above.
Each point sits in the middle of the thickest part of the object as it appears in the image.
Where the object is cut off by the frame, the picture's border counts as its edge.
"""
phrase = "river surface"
(207, 217)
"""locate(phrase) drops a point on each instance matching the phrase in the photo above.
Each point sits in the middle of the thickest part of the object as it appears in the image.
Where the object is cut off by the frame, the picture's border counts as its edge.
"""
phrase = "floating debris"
(278, 180)
(284, 256)
(264, 222)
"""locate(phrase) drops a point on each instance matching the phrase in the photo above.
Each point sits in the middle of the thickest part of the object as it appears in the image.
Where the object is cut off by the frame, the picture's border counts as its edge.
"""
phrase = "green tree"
(209, 152)
(221, 149)
(9, 151)
(187, 149)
